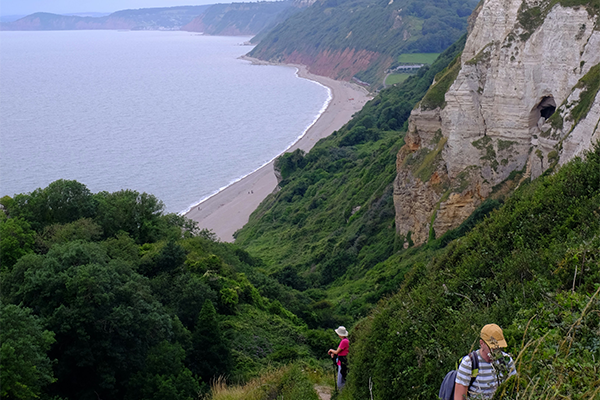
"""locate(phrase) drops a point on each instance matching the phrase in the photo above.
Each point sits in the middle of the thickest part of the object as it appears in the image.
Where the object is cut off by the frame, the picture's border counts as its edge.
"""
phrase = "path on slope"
(324, 392)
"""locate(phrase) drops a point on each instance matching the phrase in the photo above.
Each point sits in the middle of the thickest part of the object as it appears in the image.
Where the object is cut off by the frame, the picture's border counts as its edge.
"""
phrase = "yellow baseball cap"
(492, 335)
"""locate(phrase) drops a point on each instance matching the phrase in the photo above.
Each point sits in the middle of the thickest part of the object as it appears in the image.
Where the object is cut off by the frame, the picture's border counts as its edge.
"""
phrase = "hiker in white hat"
(342, 354)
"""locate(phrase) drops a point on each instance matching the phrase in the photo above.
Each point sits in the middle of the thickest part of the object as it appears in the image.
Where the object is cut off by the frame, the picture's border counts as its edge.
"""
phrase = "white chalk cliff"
(524, 98)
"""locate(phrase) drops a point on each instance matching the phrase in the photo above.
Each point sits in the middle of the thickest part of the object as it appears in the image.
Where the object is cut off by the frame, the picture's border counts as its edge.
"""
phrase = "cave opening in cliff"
(545, 108)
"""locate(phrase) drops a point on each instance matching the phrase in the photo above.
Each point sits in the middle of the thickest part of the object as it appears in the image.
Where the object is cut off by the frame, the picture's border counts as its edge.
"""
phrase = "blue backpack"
(447, 388)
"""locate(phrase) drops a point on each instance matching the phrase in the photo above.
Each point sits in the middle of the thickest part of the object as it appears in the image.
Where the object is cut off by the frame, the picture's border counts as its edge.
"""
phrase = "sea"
(175, 114)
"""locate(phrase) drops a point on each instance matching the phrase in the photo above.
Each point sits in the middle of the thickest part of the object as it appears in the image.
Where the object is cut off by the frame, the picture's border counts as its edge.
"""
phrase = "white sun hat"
(341, 331)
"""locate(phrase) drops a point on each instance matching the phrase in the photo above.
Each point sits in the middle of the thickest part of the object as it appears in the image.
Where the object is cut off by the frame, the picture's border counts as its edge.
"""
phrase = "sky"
(25, 7)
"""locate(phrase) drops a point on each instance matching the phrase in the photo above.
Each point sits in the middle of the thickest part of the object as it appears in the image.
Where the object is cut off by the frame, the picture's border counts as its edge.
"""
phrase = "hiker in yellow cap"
(495, 366)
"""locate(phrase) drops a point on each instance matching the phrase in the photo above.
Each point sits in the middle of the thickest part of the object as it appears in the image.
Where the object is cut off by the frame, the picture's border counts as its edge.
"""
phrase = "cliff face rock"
(303, 3)
(523, 98)
(336, 64)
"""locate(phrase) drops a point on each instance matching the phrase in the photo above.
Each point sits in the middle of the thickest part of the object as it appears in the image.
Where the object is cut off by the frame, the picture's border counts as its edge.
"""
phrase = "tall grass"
(559, 361)
(288, 382)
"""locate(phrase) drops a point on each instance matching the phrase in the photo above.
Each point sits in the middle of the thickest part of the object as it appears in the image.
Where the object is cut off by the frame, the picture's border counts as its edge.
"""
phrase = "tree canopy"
(106, 296)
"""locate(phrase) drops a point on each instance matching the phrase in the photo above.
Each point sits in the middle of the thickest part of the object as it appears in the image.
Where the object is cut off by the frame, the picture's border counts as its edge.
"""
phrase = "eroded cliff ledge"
(337, 64)
(522, 97)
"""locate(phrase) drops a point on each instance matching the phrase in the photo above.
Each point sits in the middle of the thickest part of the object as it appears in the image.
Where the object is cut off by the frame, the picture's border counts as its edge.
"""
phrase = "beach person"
(342, 356)
(495, 366)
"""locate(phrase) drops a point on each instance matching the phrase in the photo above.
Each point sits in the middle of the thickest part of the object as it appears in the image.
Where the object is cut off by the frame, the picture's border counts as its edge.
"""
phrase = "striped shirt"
(486, 383)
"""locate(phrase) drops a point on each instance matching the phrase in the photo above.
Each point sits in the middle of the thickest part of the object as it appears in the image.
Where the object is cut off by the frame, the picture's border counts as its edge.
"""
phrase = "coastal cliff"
(362, 39)
(522, 98)
(237, 19)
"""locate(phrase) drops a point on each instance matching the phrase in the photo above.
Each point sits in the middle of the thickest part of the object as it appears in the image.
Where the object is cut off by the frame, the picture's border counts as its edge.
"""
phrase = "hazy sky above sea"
(24, 7)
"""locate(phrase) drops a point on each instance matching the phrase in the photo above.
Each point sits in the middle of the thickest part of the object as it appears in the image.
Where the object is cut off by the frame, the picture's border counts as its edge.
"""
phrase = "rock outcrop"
(524, 98)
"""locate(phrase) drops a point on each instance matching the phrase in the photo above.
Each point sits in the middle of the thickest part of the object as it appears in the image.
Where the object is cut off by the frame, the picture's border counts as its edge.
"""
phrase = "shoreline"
(229, 209)
(256, 61)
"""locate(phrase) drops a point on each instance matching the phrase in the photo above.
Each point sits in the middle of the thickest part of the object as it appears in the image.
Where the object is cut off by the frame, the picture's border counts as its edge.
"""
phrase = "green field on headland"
(393, 79)
(418, 58)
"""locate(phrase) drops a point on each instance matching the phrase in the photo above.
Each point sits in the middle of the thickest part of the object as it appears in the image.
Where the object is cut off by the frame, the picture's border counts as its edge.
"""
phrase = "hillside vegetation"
(332, 221)
(533, 267)
(529, 262)
(105, 296)
(374, 29)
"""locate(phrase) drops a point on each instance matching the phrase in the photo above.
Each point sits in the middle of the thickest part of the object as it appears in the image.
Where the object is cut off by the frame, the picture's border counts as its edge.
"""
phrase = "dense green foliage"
(590, 85)
(25, 366)
(380, 26)
(104, 295)
(533, 267)
(333, 219)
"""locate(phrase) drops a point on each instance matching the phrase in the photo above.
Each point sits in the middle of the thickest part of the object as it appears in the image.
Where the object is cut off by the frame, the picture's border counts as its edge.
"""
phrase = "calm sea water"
(174, 114)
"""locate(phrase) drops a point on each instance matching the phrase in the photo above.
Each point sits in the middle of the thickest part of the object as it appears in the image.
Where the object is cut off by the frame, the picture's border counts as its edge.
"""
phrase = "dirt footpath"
(324, 392)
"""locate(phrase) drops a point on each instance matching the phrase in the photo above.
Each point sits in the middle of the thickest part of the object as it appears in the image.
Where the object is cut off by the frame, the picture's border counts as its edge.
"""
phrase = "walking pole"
(335, 373)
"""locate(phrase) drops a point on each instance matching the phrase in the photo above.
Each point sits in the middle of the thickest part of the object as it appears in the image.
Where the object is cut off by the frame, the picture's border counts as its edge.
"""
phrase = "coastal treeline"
(106, 296)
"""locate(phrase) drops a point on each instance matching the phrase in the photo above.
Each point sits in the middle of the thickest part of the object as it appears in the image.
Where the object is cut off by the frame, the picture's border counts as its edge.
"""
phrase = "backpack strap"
(474, 367)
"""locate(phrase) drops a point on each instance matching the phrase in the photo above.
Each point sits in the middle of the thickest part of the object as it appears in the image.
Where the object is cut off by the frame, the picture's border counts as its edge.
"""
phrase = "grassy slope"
(418, 58)
(290, 382)
(333, 218)
(396, 78)
(532, 267)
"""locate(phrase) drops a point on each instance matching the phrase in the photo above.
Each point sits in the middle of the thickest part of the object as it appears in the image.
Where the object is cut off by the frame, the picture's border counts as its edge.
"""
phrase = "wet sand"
(229, 210)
